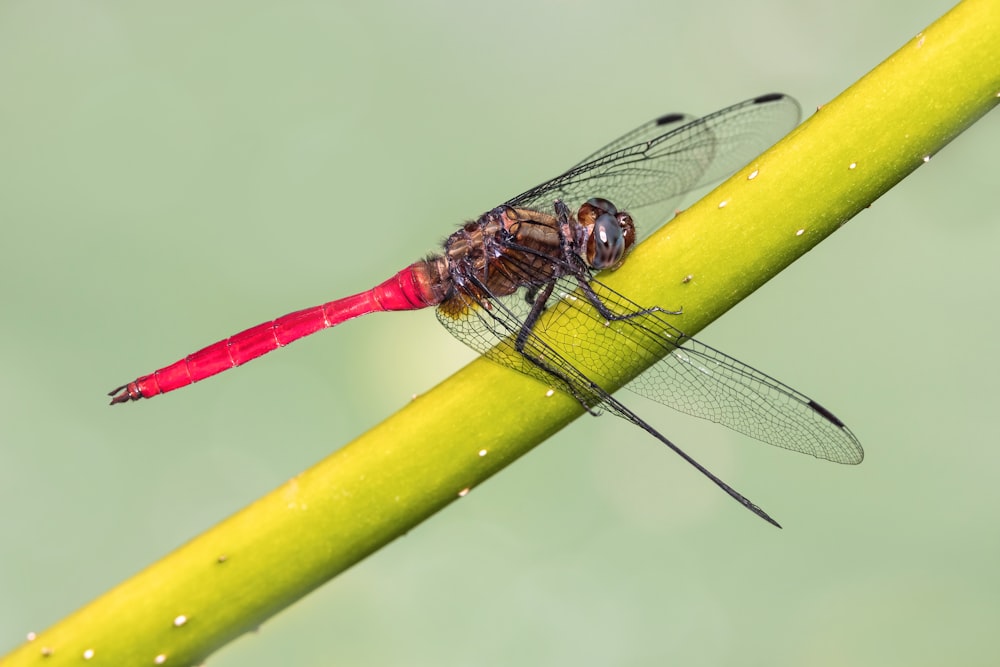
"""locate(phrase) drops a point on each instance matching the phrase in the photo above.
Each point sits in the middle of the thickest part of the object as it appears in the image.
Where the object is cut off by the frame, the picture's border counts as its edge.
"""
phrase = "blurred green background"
(173, 173)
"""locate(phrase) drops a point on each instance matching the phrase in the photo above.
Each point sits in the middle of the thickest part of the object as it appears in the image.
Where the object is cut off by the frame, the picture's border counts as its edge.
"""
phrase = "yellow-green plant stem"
(238, 574)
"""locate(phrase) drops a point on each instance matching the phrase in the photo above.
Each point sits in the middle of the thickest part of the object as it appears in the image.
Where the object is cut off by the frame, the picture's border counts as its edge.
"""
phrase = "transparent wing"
(687, 375)
(647, 170)
(699, 380)
(492, 328)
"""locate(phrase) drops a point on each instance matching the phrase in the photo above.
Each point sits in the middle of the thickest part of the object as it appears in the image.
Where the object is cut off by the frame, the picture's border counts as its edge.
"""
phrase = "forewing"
(684, 373)
(699, 380)
(647, 170)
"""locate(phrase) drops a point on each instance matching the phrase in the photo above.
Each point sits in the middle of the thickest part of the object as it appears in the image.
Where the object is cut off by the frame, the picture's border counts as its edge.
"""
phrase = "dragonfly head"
(610, 233)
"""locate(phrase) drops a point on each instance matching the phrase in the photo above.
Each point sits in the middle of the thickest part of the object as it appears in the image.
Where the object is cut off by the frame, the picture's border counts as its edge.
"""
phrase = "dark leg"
(521, 345)
(612, 316)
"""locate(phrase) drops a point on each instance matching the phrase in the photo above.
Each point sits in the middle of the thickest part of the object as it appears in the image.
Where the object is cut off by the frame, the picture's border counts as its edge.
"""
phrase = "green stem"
(241, 572)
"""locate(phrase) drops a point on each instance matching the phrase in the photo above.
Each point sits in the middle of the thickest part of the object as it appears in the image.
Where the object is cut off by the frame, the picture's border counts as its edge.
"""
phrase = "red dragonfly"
(539, 251)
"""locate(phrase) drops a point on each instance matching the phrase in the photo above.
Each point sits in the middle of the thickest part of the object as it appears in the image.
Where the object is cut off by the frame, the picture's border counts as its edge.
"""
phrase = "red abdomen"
(419, 285)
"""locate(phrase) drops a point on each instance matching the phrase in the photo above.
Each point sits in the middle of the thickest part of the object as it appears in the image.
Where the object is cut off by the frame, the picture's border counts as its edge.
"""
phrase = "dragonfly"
(537, 255)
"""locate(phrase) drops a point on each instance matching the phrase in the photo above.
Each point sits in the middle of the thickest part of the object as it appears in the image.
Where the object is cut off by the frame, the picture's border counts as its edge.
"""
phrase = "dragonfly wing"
(647, 170)
(699, 380)
(641, 135)
(491, 328)
(704, 382)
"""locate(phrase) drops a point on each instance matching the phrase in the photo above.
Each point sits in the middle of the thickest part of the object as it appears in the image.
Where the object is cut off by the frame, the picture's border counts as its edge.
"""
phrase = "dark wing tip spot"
(826, 414)
(669, 118)
(770, 97)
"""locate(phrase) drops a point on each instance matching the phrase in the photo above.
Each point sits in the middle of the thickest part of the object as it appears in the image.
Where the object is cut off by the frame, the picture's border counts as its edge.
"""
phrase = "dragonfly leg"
(521, 345)
(589, 394)
(611, 315)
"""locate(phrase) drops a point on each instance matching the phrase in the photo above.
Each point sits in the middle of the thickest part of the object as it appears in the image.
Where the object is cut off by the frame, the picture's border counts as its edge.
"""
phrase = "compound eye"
(606, 245)
(603, 205)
